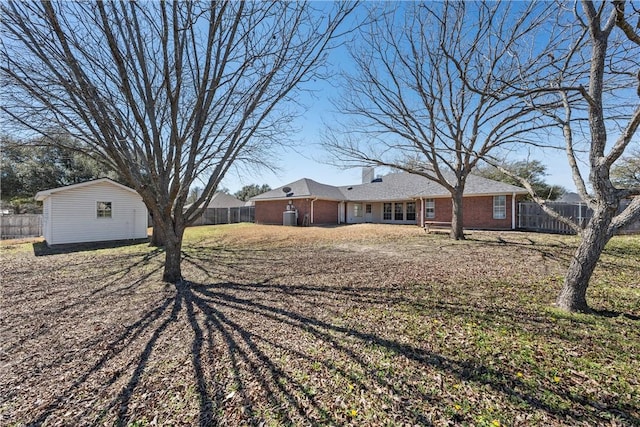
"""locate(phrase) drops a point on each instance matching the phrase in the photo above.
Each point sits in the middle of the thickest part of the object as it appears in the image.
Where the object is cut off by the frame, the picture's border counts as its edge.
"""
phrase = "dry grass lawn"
(362, 325)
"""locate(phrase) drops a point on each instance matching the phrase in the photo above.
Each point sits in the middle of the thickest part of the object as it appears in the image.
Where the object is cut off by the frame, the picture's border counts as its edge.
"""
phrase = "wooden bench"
(433, 225)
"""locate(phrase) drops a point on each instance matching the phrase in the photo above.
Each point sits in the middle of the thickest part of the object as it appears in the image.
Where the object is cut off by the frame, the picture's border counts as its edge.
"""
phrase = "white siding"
(73, 215)
(351, 213)
(377, 210)
(46, 218)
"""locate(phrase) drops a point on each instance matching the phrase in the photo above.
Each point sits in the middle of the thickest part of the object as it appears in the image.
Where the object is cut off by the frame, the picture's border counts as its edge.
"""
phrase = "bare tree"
(433, 91)
(597, 86)
(607, 95)
(165, 92)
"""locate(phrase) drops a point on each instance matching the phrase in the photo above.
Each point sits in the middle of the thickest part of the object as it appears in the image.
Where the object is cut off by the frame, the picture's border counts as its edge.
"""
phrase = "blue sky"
(307, 159)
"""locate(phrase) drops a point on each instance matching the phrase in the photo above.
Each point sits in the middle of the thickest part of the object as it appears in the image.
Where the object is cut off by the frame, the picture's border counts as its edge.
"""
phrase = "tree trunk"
(457, 231)
(168, 234)
(573, 296)
(156, 238)
(173, 257)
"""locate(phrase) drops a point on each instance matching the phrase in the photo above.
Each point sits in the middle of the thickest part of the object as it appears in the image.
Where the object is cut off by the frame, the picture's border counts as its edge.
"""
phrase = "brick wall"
(478, 212)
(325, 212)
(270, 212)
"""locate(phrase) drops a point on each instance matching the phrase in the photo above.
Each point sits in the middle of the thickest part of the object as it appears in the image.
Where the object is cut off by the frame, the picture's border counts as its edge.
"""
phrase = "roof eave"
(310, 196)
(41, 195)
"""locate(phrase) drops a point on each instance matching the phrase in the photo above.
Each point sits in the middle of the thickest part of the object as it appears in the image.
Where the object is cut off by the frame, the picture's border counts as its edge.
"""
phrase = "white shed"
(92, 211)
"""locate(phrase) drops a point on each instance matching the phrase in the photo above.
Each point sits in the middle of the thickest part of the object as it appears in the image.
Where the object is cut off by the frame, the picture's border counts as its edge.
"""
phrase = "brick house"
(396, 198)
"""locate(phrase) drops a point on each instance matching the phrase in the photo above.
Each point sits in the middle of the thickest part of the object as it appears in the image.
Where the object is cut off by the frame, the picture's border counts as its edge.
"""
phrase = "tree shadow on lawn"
(41, 248)
(613, 314)
(253, 359)
(555, 250)
(87, 299)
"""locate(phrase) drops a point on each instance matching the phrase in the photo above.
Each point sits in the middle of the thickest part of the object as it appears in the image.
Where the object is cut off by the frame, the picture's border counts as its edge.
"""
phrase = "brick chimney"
(368, 174)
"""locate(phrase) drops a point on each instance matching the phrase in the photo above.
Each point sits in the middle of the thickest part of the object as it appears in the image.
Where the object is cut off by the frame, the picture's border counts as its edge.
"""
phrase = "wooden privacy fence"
(531, 217)
(19, 226)
(214, 216)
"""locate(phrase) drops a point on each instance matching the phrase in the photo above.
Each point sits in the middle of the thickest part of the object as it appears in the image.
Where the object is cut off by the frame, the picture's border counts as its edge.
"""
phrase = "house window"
(499, 207)
(386, 212)
(411, 211)
(367, 208)
(399, 212)
(103, 209)
(430, 208)
(357, 210)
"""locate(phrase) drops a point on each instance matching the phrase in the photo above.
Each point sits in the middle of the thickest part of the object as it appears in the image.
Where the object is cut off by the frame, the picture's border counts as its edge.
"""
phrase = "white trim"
(312, 200)
(513, 211)
(41, 195)
(341, 213)
(306, 197)
(98, 217)
(505, 206)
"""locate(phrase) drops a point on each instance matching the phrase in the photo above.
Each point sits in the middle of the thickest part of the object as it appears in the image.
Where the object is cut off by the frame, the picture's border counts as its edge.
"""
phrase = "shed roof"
(41, 195)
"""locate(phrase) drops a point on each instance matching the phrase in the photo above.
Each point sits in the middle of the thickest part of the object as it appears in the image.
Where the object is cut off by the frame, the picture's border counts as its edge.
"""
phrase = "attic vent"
(290, 194)
(378, 179)
(349, 188)
(286, 189)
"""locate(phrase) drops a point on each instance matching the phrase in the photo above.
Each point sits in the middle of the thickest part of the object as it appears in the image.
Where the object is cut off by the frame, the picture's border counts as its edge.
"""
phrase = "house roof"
(402, 186)
(41, 195)
(302, 188)
(394, 186)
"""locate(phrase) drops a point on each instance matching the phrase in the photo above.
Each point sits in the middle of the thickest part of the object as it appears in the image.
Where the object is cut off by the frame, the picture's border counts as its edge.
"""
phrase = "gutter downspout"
(513, 211)
(312, 200)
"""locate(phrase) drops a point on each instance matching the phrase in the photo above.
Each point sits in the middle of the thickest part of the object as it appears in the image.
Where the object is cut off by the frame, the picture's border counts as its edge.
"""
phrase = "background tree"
(533, 171)
(626, 172)
(194, 194)
(432, 91)
(165, 92)
(248, 191)
(29, 168)
(597, 83)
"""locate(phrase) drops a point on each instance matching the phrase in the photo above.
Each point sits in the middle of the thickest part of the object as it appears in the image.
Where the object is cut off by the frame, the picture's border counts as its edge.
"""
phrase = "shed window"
(104, 209)
(499, 207)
